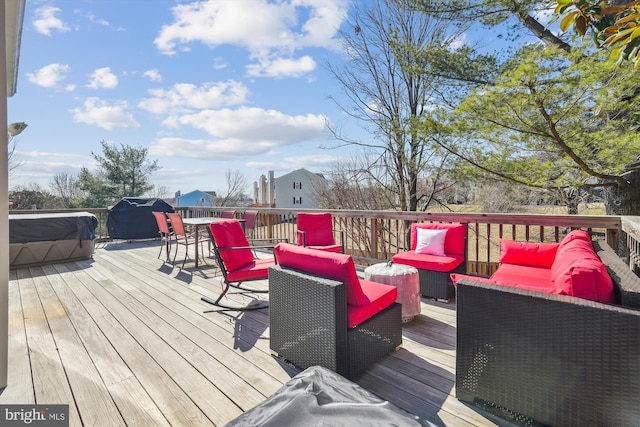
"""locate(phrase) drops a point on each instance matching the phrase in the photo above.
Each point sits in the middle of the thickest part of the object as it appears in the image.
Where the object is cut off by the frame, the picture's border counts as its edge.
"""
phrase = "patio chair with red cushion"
(166, 233)
(250, 217)
(235, 257)
(228, 214)
(315, 231)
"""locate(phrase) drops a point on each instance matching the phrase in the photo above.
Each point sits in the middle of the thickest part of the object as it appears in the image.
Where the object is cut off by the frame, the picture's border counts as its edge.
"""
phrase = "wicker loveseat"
(554, 359)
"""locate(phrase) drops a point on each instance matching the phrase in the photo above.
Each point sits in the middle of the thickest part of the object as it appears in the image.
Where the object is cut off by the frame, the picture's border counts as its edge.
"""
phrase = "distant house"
(196, 198)
(296, 189)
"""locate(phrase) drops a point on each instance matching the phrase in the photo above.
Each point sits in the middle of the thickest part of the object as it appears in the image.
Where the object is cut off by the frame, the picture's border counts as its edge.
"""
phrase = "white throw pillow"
(430, 242)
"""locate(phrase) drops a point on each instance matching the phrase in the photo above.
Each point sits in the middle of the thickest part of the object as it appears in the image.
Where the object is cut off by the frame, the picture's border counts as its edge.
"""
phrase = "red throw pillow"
(331, 265)
(527, 253)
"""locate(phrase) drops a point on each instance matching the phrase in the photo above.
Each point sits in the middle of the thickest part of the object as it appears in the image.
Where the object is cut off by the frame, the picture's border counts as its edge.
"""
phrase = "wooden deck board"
(20, 372)
(132, 400)
(91, 396)
(125, 340)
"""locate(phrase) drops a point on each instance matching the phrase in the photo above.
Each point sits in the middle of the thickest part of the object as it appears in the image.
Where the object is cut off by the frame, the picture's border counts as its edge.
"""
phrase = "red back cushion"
(584, 278)
(454, 242)
(317, 227)
(229, 234)
(578, 271)
(575, 235)
(331, 265)
(527, 253)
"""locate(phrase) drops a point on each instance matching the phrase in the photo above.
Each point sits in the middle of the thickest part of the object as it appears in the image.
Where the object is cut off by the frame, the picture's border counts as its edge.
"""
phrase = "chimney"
(272, 189)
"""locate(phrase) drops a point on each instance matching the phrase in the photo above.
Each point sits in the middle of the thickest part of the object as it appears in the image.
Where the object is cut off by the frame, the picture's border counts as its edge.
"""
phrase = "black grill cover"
(131, 218)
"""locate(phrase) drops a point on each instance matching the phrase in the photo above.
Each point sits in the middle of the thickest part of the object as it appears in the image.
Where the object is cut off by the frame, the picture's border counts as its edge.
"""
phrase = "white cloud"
(184, 97)
(103, 78)
(290, 163)
(49, 75)
(282, 67)
(153, 75)
(240, 133)
(271, 30)
(458, 42)
(41, 166)
(219, 63)
(100, 113)
(46, 20)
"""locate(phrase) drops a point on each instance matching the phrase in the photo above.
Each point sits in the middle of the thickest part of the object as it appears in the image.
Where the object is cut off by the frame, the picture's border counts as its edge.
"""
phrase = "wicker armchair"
(434, 271)
(553, 359)
(308, 325)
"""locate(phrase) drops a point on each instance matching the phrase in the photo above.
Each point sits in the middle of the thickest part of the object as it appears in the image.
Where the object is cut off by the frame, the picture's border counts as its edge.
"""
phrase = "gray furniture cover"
(318, 396)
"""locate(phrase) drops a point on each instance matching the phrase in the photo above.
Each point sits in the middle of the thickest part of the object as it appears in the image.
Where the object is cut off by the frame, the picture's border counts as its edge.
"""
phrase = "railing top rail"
(631, 226)
(588, 221)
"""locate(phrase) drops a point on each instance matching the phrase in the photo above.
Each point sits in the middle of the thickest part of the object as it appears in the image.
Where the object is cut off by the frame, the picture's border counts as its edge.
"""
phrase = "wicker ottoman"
(405, 278)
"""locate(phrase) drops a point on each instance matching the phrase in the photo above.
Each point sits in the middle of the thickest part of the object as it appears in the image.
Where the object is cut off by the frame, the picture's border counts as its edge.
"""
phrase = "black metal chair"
(237, 261)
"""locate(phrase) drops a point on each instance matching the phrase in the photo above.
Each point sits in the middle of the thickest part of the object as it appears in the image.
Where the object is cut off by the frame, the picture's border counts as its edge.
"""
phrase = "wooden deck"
(125, 340)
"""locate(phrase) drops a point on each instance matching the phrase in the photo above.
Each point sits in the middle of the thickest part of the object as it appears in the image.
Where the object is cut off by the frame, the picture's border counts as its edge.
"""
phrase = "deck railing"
(373, 236)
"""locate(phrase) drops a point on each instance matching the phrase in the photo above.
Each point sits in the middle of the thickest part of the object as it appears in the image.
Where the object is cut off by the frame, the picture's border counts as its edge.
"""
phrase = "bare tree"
(12, 162)
(389, 48)
(66, 188)
(158, 192)
(237, 184)
(351, 185)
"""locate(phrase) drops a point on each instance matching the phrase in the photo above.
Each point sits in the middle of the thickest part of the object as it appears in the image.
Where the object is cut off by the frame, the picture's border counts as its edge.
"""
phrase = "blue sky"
(206, 86)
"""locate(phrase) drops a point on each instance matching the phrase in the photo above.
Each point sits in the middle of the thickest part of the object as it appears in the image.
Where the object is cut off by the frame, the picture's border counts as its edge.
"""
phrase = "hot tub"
(36, 239)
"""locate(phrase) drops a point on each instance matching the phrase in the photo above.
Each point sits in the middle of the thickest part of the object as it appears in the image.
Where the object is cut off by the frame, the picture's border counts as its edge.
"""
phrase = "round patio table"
(403, 277)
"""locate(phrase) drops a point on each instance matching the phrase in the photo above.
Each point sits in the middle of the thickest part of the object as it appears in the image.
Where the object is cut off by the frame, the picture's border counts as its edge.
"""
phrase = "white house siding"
(296, 190)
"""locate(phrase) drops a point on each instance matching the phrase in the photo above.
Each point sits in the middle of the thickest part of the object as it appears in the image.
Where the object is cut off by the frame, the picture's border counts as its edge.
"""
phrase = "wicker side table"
(403, 277)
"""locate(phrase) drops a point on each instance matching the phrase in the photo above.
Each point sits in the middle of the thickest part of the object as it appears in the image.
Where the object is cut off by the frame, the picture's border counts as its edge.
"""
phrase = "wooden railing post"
(374, 238)
(270, 227)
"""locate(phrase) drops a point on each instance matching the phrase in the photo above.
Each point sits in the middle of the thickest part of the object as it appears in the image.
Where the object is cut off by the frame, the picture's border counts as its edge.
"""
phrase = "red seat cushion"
(455, 240)
(256, 269)
(332, 265)
(229, 234)
(317, 227)
(524, 276)
(380, 296)
(429, 262)
(516, 276)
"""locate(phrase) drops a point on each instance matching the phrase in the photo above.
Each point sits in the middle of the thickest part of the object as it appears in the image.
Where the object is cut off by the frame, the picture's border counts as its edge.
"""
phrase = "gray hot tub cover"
(25, 228)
